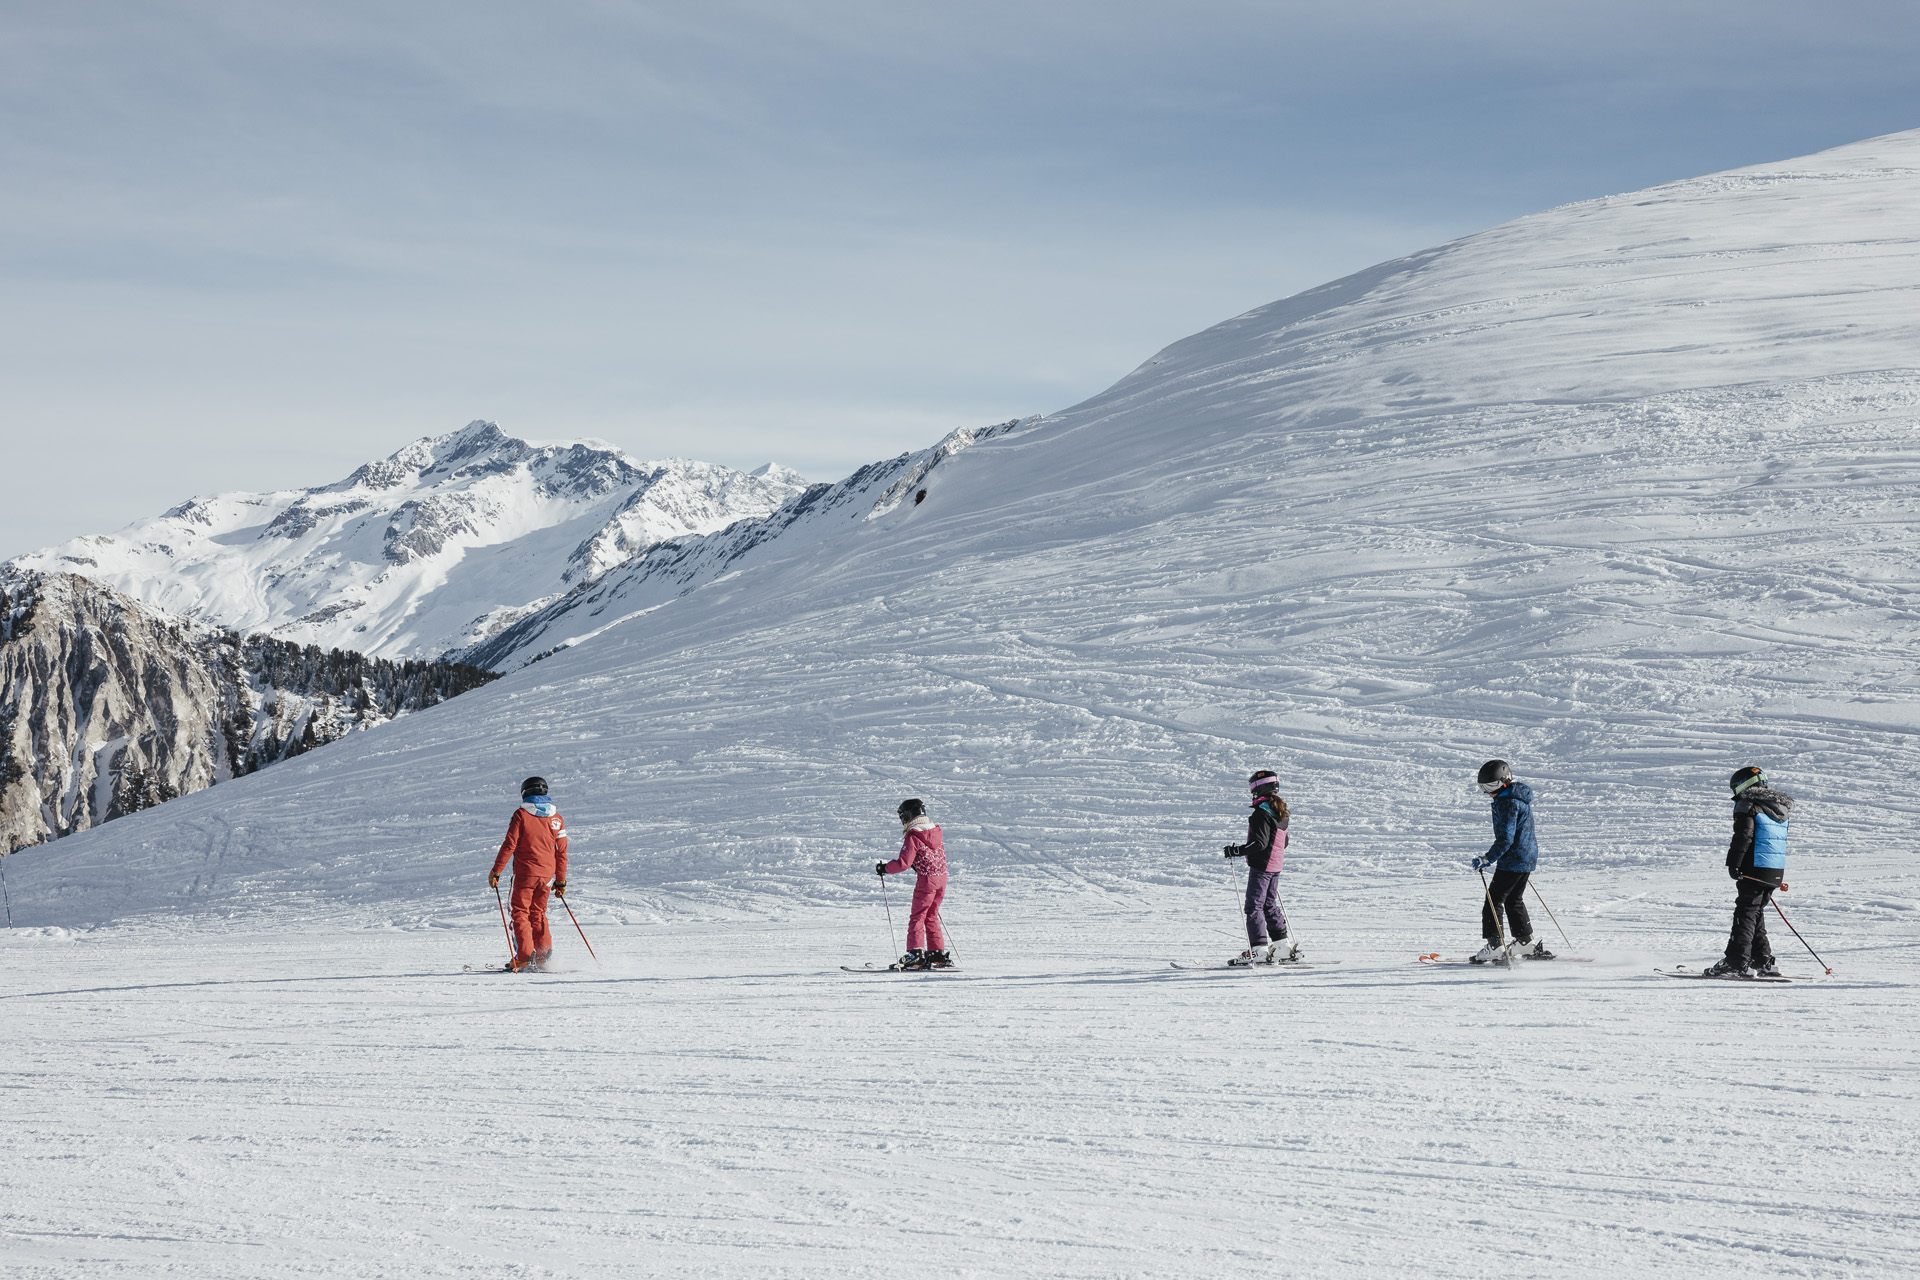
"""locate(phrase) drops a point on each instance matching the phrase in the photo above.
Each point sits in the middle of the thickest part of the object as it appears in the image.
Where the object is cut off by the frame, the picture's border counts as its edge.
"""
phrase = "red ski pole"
(582, 932)
(1782, 886)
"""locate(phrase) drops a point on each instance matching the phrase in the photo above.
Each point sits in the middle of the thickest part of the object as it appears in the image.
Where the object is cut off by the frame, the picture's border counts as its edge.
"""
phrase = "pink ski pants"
(923, 926)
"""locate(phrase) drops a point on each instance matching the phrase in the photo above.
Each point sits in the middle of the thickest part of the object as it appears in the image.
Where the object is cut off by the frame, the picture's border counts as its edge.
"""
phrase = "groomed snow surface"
(722, 1099)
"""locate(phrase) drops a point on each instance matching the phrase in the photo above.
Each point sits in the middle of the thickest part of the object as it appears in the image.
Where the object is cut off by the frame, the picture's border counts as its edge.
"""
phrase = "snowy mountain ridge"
(672, 567)
(433, 548)
(1623, 492)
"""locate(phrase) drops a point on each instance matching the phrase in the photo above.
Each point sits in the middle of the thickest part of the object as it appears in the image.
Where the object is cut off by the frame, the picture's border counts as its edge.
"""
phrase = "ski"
(894, 968)
(1277, 964)
(1436, 958)
(1681, 971)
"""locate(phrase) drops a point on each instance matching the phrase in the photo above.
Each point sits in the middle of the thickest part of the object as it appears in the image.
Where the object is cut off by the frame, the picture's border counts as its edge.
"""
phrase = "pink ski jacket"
(922, 850)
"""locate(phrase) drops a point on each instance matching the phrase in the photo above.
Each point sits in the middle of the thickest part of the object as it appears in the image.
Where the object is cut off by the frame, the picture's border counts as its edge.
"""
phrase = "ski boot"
(1251, 956)
(518, 964)
(938, 959)
(1728, 969)
(1539, 952)
(1766, 968)
(1285, 950)
(914, 959)
(540, 959)
(1492, 953)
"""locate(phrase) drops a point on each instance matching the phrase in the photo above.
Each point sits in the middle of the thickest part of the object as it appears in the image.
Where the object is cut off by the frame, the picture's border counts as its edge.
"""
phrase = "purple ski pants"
(1265, 920)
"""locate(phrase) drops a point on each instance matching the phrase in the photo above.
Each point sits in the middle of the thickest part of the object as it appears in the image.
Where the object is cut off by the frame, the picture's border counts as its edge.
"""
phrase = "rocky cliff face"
(107, 707)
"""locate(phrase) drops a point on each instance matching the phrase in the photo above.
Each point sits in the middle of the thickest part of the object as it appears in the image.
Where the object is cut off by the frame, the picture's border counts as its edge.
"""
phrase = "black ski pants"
(1747, 945)
(1506, 892)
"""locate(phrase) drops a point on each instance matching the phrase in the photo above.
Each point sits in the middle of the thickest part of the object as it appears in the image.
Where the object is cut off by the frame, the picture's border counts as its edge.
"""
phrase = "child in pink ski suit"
(922, 849)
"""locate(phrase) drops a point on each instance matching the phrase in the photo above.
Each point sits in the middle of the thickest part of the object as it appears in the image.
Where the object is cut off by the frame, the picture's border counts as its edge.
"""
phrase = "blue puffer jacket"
(1513, 844)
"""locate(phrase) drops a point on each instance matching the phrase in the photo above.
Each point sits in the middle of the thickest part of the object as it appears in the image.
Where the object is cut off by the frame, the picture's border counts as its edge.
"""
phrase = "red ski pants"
(923, 926)
(530, 932)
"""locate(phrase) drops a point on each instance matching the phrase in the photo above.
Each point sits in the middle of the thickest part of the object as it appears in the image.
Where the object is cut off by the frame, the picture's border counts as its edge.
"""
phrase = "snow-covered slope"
(433, 548)
(1624, 492)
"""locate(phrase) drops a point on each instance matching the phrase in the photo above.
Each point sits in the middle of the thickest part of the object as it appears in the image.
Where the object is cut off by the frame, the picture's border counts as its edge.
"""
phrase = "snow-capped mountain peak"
(428, 549)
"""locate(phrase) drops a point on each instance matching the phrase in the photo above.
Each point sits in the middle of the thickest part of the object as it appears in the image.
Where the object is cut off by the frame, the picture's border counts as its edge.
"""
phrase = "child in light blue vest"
(1757, 861)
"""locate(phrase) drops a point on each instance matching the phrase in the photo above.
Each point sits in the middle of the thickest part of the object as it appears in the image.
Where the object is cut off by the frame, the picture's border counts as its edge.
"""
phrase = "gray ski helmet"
(1495, 771)
(1752, 775)
(910, 809)
(535, 786)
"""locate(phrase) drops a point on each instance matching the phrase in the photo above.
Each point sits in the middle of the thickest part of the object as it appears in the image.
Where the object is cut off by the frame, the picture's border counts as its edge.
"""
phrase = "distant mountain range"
(431, 550)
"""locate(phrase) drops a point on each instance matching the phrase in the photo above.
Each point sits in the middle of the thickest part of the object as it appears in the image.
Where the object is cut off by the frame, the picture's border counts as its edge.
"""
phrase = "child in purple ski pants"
(1264, 850)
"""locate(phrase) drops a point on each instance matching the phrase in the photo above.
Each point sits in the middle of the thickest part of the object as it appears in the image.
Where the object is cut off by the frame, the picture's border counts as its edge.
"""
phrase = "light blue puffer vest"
(1769, 841)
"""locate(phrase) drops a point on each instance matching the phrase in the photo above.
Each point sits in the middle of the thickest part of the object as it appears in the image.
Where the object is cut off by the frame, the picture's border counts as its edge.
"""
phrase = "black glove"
(1232, 851)
(1733, 873)
(879, 868)
(493, 880)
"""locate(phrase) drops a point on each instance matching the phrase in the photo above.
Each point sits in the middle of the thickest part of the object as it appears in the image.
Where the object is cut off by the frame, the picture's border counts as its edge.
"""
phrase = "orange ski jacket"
(537, 844)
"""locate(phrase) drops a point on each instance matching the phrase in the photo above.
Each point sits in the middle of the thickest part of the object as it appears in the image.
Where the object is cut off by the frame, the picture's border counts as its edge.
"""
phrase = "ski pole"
(582, 932)
(1783, 920)
(1549, 910)
(513, 948)
(1239, 898)
(946, 930)
(1499, 926)
(893, 940)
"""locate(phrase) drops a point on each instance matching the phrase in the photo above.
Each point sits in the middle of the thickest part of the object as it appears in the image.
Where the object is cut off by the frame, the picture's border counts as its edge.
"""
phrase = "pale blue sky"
(250, 245)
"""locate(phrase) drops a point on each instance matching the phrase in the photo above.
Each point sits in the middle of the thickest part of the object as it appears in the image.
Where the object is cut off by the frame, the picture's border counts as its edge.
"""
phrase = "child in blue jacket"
(1512, 857)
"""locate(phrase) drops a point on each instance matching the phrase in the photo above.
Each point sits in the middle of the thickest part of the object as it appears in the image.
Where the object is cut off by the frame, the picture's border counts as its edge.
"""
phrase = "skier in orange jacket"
(537, 843)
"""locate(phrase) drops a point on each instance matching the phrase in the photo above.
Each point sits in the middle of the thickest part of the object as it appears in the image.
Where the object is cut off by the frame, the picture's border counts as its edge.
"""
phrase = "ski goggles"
(1491, 787)
(1756, 780)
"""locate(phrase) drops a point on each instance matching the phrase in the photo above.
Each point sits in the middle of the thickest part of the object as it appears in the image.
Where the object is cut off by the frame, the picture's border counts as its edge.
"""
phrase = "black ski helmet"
(1495, 771)
(535, 786)
(910, 809)
(1264, 782)
(1752, 775)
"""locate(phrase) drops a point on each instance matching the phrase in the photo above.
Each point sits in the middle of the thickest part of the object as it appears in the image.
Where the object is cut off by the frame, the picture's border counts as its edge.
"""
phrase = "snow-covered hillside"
(1623, 491)
(671, 568)
(433, 548)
